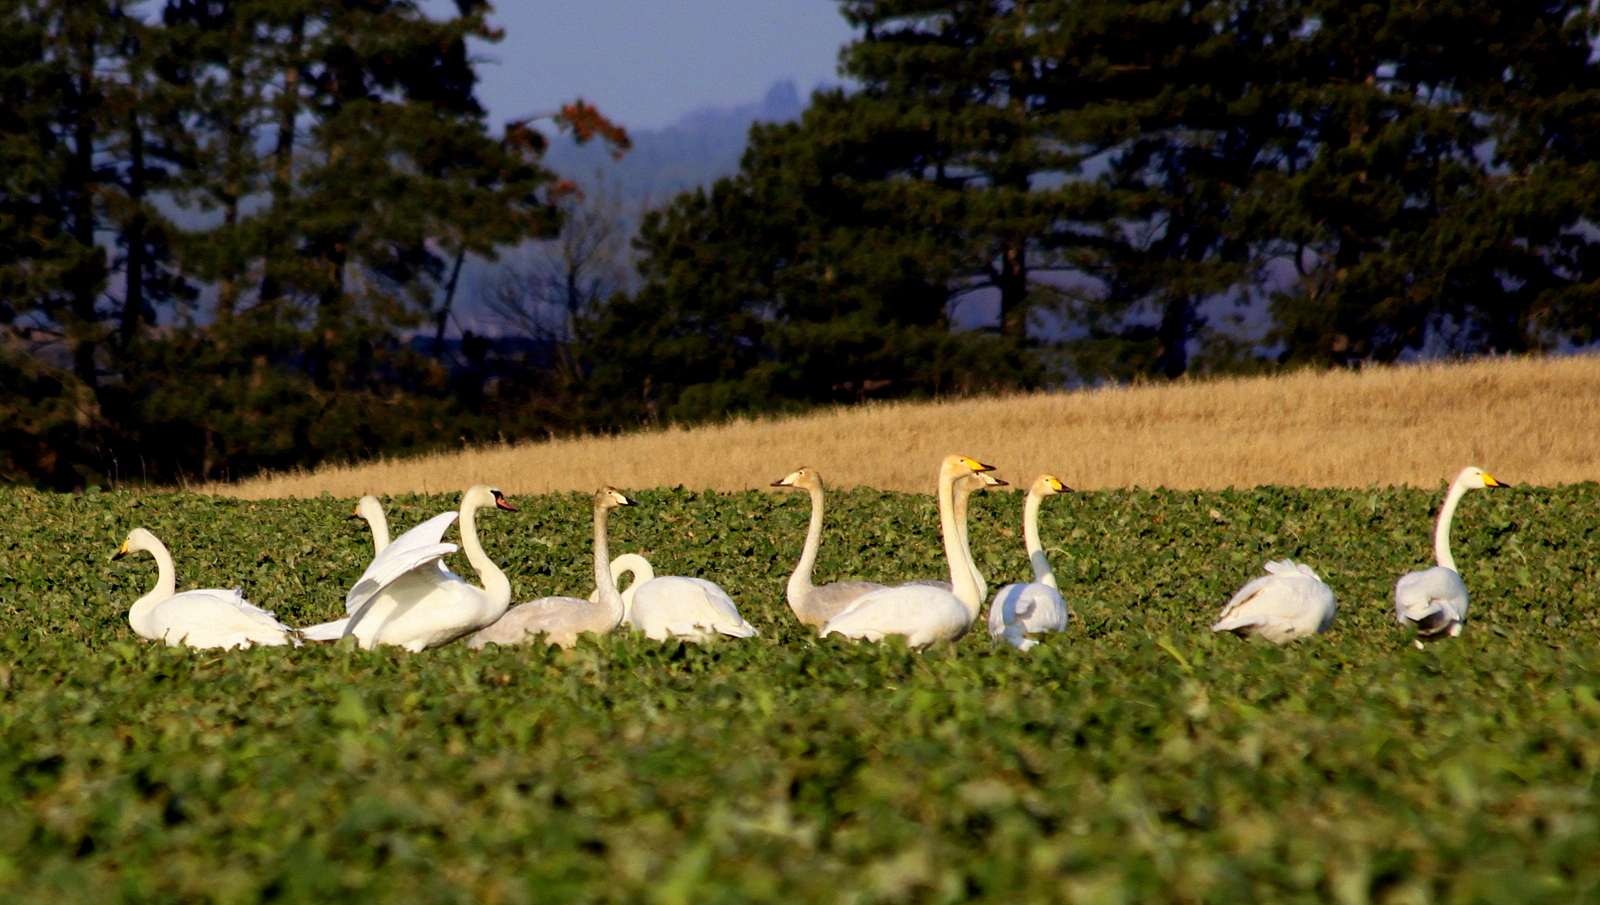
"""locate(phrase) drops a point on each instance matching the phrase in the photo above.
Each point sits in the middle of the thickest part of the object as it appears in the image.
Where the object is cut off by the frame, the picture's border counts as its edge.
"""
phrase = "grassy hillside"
(1526, 420)
(1136, 758)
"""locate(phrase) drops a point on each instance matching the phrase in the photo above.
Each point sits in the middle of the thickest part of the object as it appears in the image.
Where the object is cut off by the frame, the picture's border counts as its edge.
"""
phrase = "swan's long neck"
(1441, 528)
(962, 493)
(379, 523)
(800, 582)
(495, 583)
(962, 571)
(604, 581)
(1042, 573)
(166, 583)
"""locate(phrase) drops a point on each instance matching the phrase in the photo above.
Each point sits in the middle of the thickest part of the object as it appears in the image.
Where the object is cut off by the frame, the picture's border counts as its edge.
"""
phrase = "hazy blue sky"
(645, 63)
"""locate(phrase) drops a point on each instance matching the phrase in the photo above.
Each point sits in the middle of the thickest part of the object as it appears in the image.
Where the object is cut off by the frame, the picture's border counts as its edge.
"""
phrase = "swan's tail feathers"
(327, 631)
(1430, 618)
(1245, 626)
(1289, 567)
(738, 630)
(1014, 635)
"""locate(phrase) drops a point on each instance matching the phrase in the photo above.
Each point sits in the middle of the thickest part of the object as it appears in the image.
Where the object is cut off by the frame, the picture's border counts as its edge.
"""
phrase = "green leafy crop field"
(1134, 759)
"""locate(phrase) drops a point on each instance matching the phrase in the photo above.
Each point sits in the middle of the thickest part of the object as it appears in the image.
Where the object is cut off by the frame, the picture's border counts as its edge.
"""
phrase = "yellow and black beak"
(1489, 481)
(976, 466)
(121, 552)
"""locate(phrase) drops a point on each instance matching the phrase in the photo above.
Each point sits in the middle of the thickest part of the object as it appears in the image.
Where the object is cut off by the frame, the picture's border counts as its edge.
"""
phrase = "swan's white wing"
(675, 606)
(215, 618)
(1021, 609)
(921, 614)
(413, 549)
(1289, 602)
(1434, 600)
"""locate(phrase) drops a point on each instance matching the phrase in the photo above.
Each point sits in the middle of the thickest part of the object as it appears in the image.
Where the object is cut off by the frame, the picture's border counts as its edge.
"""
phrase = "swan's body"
(371, 510)
(689, 608)
(1434, 601)
(208, 618)
(409, 599)
(1020, 610)
(1288, 603)
(924, 614)
(560, 620)
(813, 605)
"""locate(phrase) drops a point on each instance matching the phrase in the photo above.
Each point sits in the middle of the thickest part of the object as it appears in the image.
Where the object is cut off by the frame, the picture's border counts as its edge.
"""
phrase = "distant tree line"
(1122, 178)
(223, 223)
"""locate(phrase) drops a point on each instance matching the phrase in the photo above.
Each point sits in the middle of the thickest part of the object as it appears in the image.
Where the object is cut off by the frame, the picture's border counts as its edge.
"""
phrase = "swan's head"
(804, 478)
(610, 498)
(368, 508)
(482, 496)
(139, 541)
(1048, 485)
(1472, 477)
(969, 483)
(955, 466)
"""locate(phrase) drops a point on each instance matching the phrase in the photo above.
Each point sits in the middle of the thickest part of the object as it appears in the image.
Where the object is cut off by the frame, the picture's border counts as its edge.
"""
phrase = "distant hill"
(699, 148)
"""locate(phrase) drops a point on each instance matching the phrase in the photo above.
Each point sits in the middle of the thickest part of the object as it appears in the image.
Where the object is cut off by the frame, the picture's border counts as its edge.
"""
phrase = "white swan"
(673, 606)
(560, 620)
(409, 599)
(370, 509)
(1288, 603)
(208, 618)
(1434, 601)
(813, 605)
(1019, 610)
(924, 614)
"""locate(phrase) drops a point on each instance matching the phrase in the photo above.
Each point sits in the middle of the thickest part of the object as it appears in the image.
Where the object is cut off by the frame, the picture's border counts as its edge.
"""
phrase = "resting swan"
(813, 605)
(1019, 610)
(965, 487)
(692, 609)
(1288, 603)
(207, 618)
(924, 614)
(409, 599)
(560, 620)
(1434, 601)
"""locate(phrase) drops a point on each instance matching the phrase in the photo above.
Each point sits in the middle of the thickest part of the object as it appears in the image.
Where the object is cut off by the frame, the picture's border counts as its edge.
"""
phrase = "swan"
(370, 509)
(208, 618)
(560, 620)
(813, 605)
(1434, 600)
(1288, 603)
(409, 599)
(1019, 610)
(673, 606)
(924, 614)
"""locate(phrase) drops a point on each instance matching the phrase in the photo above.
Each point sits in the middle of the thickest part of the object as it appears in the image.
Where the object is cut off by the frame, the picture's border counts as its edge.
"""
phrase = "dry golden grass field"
(1531, 420)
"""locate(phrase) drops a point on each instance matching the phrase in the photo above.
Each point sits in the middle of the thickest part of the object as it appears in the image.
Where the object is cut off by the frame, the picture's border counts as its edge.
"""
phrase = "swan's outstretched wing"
(1287, 603)
(418, 547)
(1433, 600)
